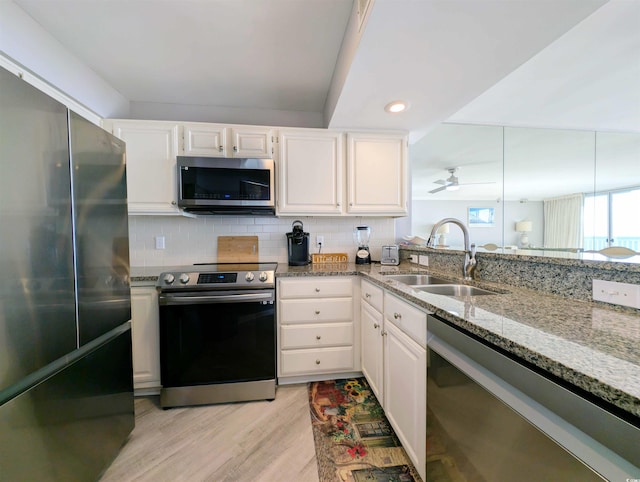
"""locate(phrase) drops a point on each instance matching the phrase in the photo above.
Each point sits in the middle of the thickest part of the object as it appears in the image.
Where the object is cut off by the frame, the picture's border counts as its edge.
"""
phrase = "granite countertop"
(592, 347)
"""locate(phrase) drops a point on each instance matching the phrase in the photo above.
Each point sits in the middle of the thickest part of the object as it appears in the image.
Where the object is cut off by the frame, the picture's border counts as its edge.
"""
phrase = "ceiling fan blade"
(471, 183)
(440, 181)
(438, 189)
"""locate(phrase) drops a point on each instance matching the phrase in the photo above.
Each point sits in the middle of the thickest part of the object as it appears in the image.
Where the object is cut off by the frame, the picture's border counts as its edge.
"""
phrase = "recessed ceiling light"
(396, 106)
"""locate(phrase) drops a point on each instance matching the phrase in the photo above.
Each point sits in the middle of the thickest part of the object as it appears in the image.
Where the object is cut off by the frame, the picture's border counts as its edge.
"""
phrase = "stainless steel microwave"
(212, 185)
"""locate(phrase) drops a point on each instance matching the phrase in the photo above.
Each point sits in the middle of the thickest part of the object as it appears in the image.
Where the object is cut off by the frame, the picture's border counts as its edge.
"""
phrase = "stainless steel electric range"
(217, 333)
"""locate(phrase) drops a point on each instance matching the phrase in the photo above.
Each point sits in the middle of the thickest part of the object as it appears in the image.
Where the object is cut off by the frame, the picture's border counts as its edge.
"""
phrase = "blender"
(361, 236)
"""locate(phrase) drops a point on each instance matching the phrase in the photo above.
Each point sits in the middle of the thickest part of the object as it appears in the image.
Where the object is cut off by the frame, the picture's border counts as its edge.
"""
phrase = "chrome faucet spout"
(470, 262)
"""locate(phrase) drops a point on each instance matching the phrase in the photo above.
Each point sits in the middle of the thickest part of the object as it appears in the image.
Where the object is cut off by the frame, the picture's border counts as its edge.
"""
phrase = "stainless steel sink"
(417, 279)
(454, 290)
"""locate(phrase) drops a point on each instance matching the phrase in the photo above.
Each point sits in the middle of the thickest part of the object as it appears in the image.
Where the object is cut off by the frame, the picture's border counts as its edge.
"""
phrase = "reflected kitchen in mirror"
(565, 193)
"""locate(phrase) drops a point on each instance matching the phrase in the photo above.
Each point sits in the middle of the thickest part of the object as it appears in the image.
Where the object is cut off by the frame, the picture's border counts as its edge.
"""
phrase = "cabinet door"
(377, 174)
(405, 393)
(205, 140)
(371, 332)
(311, 173)
(152, 148)
(145, 337)
(252, 142)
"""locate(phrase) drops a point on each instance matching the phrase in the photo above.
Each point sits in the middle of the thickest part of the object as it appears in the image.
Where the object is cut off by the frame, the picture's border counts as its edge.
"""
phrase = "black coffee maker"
(298, 243)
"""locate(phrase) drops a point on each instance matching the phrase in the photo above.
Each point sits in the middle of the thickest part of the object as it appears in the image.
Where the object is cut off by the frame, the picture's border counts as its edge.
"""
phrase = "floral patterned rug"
(354, 441)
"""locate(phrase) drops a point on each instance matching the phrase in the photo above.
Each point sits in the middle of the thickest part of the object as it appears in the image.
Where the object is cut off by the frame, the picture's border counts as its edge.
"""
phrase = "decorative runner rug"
(354, 441)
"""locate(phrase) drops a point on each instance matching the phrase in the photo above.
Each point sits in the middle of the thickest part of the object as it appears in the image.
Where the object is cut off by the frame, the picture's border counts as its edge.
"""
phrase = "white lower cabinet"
(405, 393)
(371, 338)
(394, 361)
(317, 326)
(145, 334)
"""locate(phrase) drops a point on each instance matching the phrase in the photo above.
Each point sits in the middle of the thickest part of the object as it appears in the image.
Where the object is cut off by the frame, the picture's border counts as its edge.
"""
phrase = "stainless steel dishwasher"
(489, 417)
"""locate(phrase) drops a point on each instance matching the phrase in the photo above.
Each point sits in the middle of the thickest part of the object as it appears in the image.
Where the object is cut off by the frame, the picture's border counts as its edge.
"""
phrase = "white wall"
(226, 115)
(194, 240)
(424, 214)
(25, 42)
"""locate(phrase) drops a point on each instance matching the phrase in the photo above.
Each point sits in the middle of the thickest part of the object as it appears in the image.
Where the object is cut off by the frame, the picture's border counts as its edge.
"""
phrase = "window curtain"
(563, 222)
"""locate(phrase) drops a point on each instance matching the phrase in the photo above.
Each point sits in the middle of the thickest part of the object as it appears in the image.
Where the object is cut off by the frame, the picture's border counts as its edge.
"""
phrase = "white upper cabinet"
(216, 140)
(314, 180)
(250, 141)
(152, 148)
(311, 165)
(377, 174)
(317, 175)
(204, 140)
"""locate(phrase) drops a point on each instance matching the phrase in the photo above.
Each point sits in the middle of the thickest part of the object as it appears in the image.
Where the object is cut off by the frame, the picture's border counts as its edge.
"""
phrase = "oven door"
(217, 337)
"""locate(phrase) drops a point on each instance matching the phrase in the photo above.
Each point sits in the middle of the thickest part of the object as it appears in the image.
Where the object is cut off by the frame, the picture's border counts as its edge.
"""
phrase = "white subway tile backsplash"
(195, 240)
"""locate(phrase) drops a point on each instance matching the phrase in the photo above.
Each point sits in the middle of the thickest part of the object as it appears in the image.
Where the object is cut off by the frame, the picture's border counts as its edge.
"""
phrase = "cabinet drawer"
(321, 360)
(316, 335)
(310, 311)
(315, 287)
(372, 294)
(409, 319)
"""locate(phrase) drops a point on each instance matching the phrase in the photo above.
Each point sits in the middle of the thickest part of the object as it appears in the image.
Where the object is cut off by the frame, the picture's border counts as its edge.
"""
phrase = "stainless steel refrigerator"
(66, 382)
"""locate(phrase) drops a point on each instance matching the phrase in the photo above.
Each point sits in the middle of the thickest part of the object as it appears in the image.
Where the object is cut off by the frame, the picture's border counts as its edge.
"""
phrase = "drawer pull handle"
(397, 316)
(367, 295)
(318, 337)
(317, 362)
(317, 290)
(376, 326)
(317, 312)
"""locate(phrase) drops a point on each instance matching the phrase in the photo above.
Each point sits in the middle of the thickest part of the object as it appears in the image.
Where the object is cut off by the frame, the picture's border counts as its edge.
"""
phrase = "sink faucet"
(469, 268)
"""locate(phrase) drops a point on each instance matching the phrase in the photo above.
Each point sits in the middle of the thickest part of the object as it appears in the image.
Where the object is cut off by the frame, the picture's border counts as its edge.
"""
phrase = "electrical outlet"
(624, 294)
(319, 240)
(159, 242)
(413, 258)
(423, 259)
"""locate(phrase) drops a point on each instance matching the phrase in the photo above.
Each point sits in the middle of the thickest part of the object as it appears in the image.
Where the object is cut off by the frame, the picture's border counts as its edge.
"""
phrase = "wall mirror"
(556, 192)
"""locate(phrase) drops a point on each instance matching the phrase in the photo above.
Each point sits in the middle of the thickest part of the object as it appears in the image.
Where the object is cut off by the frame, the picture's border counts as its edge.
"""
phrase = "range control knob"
(168, 278)
(184, 278)
(263, 276)
(249, 276)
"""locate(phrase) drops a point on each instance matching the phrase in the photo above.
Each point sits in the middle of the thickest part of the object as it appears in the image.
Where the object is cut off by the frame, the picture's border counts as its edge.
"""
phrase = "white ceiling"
(263, 54)
(280, 55)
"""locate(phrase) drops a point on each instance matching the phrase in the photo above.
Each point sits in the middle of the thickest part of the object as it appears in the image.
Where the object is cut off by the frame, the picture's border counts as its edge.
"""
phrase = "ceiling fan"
(452, 183)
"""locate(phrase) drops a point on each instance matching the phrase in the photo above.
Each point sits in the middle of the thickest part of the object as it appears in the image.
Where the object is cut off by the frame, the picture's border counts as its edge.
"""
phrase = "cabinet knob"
(317, 290)
(220, 148)
(318, 337)
(317, 362)
(384, 333)
(376, 326)
(397, 316)
(317, 312)
(173, 203)
(338, 204)
(235, 148)
(367, 295)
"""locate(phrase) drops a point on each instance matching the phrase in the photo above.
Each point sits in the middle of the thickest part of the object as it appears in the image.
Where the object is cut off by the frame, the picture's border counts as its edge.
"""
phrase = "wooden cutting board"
(237, 249)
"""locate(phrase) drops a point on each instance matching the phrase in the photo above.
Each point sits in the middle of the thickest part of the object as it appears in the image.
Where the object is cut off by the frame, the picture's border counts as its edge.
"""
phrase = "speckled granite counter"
(589, 346)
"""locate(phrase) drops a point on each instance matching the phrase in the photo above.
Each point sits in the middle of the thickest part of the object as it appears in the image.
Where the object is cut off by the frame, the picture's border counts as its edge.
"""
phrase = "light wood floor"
(256, 441)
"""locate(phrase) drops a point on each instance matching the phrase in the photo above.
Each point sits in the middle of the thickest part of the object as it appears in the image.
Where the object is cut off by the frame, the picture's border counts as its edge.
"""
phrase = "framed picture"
(481, 217)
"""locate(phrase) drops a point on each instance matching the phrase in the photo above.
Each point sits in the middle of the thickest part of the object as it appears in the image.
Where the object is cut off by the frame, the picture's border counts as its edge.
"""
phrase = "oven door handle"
(166, 299)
